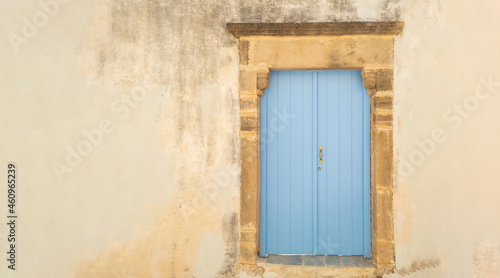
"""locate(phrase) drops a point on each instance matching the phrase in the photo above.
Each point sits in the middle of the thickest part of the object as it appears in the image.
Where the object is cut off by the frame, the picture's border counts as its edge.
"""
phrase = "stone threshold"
(318, 260)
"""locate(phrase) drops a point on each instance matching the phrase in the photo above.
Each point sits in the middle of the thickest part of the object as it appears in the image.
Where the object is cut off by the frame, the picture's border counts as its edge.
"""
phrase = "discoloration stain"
(209, 256)
(230, 233)
(165, 42)
(335, 60)
(391, 10)
(487, 261)
(418, 265)
(296, 11)
(166, 249)
(244, 45)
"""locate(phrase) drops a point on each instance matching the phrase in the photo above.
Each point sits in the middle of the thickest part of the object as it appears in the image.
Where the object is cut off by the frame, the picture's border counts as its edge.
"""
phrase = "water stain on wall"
(487, 260)
(418, 265)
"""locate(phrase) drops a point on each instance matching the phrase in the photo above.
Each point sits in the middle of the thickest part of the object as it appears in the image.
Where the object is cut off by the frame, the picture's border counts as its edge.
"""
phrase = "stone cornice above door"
(315, 28)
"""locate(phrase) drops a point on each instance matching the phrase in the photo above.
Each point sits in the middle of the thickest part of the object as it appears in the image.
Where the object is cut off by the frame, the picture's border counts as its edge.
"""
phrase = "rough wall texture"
(157, 195)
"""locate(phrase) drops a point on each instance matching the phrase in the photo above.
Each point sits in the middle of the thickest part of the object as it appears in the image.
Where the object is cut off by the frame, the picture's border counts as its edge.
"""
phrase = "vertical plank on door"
(333, 154)
(358, 95)
(294, 118)
(264, 139)
(345, 163)
(314, 156)
(284, 163)
(307, 163)
(366, 174)
(269, 148)
(322, 175)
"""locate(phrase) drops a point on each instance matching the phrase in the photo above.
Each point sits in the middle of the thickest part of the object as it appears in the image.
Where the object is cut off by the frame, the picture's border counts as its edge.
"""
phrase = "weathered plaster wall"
(156, 194)
(446, 202)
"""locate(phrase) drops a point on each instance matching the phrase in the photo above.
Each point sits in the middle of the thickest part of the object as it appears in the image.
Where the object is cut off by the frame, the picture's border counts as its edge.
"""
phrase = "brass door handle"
(320, 154)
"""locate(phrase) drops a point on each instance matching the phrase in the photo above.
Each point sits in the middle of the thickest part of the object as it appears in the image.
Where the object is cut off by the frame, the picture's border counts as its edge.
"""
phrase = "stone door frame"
(365, 46)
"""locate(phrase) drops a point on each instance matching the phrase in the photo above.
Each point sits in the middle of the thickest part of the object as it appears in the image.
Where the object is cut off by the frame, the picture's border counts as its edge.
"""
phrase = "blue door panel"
(305, 210)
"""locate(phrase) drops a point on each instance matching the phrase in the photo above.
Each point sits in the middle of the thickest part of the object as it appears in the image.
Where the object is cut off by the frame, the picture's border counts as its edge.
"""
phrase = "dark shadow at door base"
(320, 260)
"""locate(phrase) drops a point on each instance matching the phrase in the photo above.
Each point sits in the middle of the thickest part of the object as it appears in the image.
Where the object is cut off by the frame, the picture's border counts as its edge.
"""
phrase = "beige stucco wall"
(154, 192)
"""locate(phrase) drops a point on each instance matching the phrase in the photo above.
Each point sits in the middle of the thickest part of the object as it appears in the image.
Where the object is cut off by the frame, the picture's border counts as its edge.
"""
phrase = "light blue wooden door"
(308, 206)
